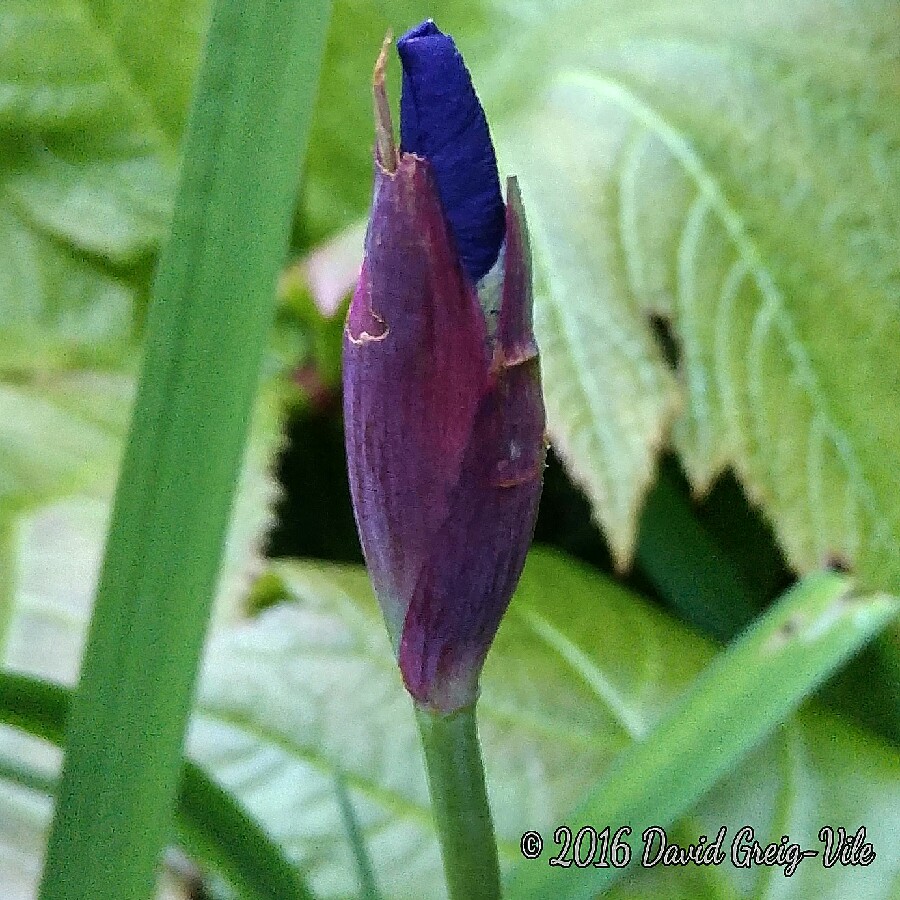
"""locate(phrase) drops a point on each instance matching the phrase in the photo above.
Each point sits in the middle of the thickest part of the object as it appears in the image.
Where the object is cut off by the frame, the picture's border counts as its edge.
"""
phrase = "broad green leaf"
(60, 441)
(60, 444)
(157, 47)
(307, 696)
(733, 169)
(54, 304)
(92, 95)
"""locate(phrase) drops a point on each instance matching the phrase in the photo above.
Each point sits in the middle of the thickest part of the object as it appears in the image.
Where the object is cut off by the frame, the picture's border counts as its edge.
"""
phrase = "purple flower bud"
(444, 423)
(442, 121)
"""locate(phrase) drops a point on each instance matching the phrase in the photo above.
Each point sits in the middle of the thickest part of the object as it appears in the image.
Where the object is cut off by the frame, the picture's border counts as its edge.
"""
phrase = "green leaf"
(60, 443)
(90, 110)
(213, 300)
(737, 700)
(86, 173)
(307, 697)
(692, 573)
(64, 455)
(734, 171)
(302, 715)
(92, 98)
(795, 784)
(157, 48)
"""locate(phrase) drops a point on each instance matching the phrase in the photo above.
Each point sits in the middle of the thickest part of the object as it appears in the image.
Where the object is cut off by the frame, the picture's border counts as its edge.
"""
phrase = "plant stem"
(459, 803)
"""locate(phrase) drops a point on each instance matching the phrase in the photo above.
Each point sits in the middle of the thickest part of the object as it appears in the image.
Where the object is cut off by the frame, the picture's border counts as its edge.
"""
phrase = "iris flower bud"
(443, 413)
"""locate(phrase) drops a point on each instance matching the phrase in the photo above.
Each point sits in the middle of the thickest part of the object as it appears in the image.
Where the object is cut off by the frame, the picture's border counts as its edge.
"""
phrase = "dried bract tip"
(385, 148)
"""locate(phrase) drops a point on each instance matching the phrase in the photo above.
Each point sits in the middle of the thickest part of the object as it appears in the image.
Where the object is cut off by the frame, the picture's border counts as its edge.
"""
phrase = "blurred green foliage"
(714, 193)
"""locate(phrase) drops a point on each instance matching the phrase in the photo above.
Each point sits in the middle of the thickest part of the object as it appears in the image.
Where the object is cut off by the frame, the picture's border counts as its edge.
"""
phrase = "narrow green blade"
(210, 824)
(211, 312)
(745, 693)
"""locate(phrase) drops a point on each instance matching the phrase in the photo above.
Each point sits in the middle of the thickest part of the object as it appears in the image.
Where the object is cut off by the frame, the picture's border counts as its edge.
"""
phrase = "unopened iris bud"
(443, 414)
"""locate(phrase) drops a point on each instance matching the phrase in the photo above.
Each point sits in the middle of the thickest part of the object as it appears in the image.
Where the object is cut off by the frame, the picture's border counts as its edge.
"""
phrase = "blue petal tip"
(442, 121)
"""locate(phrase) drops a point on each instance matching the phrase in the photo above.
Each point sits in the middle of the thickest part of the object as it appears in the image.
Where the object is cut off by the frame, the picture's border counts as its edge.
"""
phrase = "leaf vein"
(628, 718)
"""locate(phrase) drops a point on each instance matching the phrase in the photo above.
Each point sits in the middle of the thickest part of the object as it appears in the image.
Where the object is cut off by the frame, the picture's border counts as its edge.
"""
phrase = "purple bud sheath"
(444, 422)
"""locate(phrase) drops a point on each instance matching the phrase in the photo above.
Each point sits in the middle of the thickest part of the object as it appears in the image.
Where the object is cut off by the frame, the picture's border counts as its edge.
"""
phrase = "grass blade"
(684, 564)
(743, 695)
(368, 889)
(211, 312)
(213, 829)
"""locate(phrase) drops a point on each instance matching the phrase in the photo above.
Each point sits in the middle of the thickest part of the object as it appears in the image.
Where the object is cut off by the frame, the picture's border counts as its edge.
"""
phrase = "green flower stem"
(459, 803)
